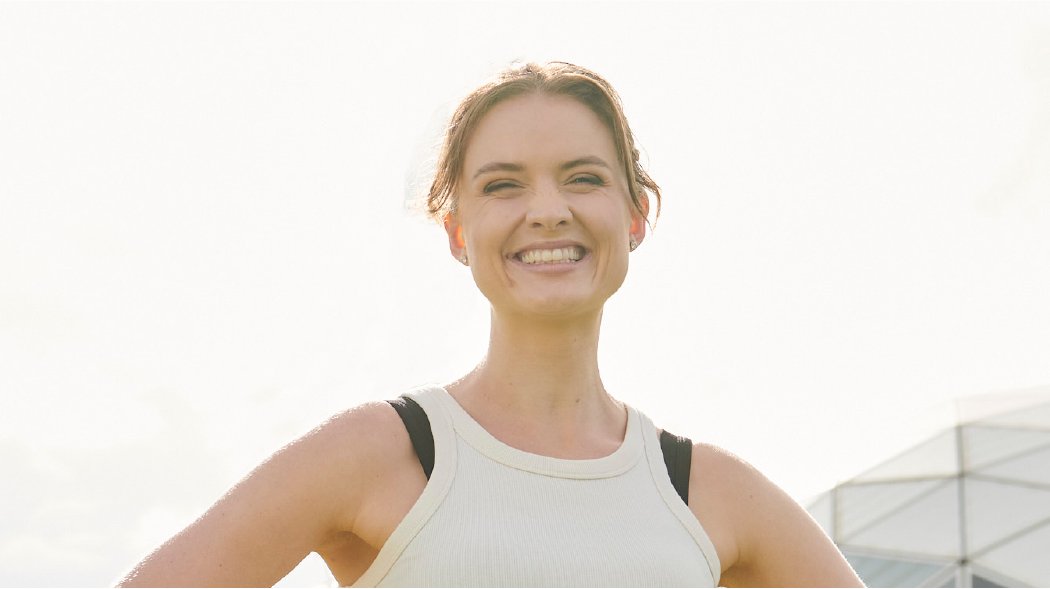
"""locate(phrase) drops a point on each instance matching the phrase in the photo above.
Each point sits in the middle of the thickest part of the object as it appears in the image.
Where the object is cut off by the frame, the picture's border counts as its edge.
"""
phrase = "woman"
(525, 471)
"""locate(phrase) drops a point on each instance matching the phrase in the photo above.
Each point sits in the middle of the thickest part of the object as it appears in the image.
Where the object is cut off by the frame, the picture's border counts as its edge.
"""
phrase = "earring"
(634, 244)
(463, 259)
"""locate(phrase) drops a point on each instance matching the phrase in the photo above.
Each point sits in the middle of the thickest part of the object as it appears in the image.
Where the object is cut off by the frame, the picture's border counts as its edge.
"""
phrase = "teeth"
(563, 255)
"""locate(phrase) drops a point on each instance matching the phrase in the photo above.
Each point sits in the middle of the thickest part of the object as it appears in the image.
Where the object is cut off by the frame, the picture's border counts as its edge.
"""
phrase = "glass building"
(969, 507)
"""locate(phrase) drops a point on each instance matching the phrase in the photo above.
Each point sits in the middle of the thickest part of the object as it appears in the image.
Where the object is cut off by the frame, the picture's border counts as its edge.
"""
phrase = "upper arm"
(298, 500)
(776, 542)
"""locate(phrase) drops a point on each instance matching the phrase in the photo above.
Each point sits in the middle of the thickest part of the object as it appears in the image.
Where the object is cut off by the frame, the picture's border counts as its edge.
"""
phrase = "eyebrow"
(509, 167)
(498, 167)
(584, 161)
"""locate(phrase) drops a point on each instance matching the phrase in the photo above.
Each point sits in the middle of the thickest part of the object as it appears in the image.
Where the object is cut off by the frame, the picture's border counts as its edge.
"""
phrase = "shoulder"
(340, 444)
(721, 478)
(350, 437)
(726, 476)
(358, 431)
(770, 540)
(338, 462)
(357, 437)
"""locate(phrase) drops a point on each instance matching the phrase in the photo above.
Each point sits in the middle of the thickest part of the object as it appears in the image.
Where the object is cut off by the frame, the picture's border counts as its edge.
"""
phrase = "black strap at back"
(678, 457)
(418, 426)
(678, 451)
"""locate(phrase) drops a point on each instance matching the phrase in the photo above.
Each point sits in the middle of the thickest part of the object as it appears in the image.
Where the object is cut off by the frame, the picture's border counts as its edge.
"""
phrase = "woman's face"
(543, 208)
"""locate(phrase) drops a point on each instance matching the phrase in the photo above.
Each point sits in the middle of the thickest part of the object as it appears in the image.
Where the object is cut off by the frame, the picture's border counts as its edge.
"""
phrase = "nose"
(548, 209)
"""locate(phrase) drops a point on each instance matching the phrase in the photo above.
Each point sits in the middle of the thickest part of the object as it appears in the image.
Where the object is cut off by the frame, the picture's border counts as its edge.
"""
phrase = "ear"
(637, 231)
(456, 244)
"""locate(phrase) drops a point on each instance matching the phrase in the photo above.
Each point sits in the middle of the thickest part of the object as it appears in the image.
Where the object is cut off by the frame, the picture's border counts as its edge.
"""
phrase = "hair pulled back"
(555, 78)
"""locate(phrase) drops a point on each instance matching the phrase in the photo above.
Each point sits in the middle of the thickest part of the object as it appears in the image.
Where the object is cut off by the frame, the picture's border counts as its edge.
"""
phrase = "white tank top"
(492, 515)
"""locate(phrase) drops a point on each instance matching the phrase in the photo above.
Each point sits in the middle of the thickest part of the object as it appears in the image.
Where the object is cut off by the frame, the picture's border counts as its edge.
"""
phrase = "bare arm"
(777, 543)
(301, 499)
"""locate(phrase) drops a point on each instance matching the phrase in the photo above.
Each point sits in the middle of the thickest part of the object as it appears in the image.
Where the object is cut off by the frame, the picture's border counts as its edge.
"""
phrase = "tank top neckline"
(471, 432)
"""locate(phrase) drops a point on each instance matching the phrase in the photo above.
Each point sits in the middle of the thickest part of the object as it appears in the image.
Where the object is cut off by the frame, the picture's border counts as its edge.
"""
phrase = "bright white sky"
(204, 247)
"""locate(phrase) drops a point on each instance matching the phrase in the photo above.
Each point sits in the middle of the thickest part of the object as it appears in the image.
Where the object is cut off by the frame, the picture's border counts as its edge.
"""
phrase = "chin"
(559, 306)
(566, 301)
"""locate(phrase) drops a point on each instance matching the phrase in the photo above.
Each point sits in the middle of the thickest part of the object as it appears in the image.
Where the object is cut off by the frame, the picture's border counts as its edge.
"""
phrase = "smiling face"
(543, 210)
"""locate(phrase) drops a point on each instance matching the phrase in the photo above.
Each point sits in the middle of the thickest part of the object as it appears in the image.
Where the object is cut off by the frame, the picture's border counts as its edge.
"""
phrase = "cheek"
(615, 222)
(485, 233)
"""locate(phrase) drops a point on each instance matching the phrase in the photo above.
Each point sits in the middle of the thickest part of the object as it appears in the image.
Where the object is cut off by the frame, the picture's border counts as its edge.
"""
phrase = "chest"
(506, 527)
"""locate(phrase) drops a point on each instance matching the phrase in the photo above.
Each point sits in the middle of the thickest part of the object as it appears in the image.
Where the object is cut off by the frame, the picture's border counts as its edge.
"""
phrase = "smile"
(563, 255)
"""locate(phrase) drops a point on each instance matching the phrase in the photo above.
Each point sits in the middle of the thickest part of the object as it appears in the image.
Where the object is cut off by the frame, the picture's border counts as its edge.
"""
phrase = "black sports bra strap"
(418, 426)
(678, 457)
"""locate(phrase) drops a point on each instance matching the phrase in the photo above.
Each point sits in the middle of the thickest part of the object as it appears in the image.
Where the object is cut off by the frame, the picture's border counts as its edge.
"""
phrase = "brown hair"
(558, 78)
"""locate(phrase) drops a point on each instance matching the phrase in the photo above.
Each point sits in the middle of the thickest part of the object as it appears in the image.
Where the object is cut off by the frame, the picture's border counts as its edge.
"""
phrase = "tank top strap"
(655, 456)
(437, 487)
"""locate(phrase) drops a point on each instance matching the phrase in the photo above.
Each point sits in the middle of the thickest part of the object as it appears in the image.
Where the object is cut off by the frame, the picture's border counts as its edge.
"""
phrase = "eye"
(587, 179)
(497, 185)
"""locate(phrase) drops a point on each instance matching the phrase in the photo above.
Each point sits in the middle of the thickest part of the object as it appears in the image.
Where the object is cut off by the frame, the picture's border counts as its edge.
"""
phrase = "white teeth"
(563, 255)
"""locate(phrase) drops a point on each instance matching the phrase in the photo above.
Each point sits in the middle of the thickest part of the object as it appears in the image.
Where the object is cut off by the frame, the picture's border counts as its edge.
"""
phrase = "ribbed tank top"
(495, 516)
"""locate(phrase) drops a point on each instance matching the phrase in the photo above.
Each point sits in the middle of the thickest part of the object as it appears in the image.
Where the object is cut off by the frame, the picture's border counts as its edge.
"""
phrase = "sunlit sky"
(206, 248)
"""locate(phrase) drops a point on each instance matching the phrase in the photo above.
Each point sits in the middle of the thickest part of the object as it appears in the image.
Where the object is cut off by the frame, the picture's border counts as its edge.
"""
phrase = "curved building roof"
(969, 507)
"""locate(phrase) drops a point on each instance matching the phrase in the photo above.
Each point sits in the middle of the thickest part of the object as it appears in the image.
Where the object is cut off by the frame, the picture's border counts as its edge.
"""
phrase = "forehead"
(538, 129)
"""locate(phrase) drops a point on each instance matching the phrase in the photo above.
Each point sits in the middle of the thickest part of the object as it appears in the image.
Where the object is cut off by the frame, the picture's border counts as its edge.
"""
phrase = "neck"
(540, 380)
